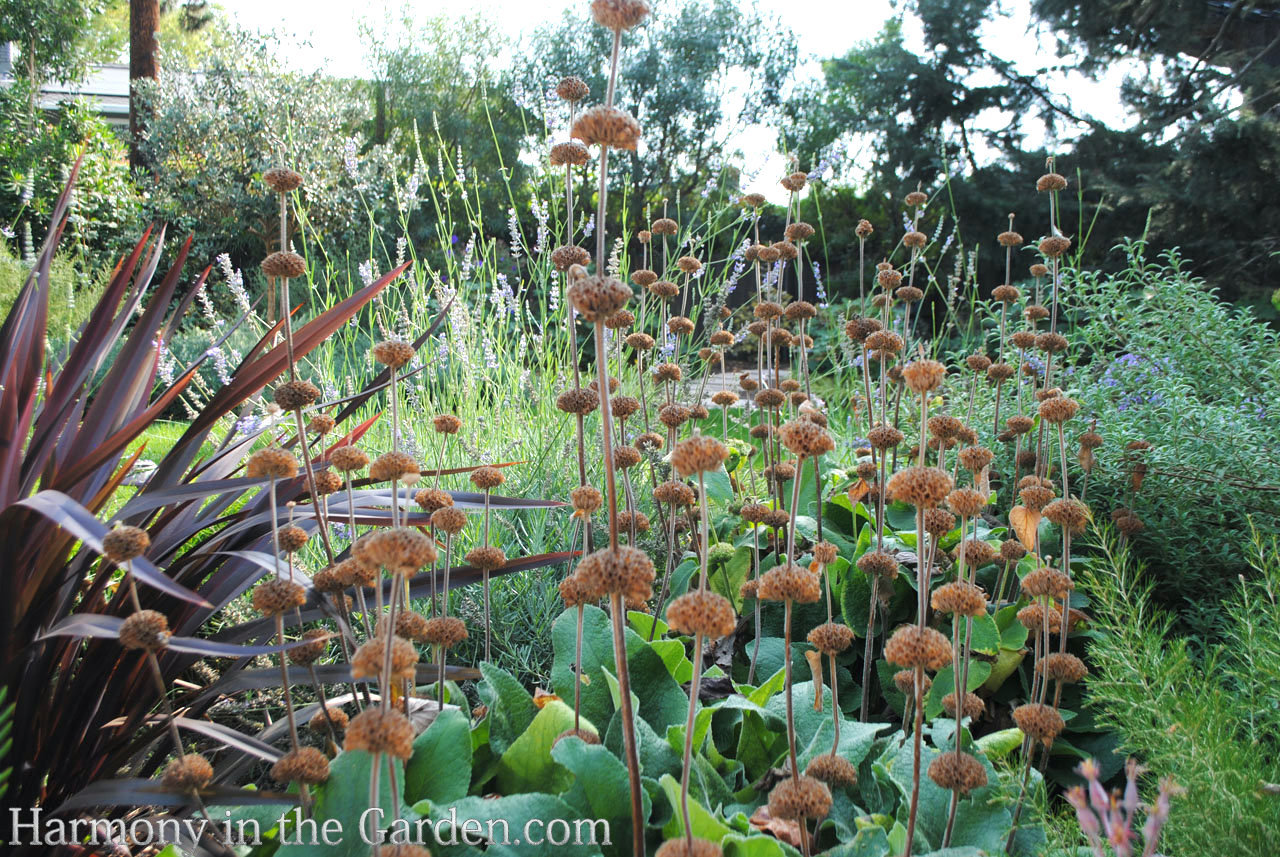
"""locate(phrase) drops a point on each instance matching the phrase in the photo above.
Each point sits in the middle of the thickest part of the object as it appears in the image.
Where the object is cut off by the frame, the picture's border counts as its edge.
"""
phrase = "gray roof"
(106, 87)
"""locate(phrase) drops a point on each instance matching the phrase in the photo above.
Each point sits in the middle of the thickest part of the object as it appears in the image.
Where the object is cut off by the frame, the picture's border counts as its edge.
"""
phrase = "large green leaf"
(343, 798)
(511, 707)
(944, 682)
(597, 653)
(868, 842)
(524, 824)
(855, 600)
(440, 768)
(600, 788)
(673, 655)
(527, 765)
(986, 636)
(704, 823)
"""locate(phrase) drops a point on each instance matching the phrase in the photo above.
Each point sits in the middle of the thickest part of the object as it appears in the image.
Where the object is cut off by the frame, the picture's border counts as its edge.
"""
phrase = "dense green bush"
(1165, 361)
(212, 135)
(36, 154)
(76, 292)
(1212, 719)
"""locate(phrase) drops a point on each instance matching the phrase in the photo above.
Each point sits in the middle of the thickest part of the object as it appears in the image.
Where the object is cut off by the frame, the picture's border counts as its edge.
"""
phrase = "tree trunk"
(144, 21)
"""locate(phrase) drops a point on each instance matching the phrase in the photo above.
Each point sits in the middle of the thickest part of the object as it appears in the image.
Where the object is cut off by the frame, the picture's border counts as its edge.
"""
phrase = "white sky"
(324, 34)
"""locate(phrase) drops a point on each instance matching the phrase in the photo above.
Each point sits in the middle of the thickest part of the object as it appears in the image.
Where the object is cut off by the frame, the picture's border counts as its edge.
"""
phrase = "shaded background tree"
(1195, 169)
(691, 74)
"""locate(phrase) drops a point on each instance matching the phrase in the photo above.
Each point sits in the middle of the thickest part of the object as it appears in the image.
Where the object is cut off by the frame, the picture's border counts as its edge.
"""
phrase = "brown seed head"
(596, 297)
(486, 558)
(346, 459)
(878, 563)
(447, 631)
(836, 771)
(825, 553)
(399, 466)
(376, 731)
(1055, 245)
(831, 638)
(320, 724)
(1068, 513)
(650, 440)
(999, 372)
(1062, 666)
(904, 681)
(1006, 294)
(959, 597)
(619, 15)
(276, 597)
(915, 239)
(321, 424)
(920, 486)
(123, 543)
(487, 478)
(572, 89)
(1051, 182)
(805, 438)
(144, 629)
(327, 482)
(698, 454)
(286, 264)
(578, 400)
(627, 572)
(912, 646)
(282, 180)
(568, 255)
(296, 395)
(189, 772)
(1019, 424)
(680, 847)
(864, 228)
(1038, 721)
(353, 572)
(884, 437)
(304, 765)
(664, 226)
(292, 538)
(702, 612)
(680, 326)
(368, 660)
(449, 519)
(1047, 582)
(923, 375)
(674, 494)
(938, 522)
(800, 797)
(724, 398)
(790, 582)
(787, 251)
(393, 353)
(431, 499)
(400, 550)
(974, 707)
(799, 231)
(673, 415)
(957, 771)
(915, 199)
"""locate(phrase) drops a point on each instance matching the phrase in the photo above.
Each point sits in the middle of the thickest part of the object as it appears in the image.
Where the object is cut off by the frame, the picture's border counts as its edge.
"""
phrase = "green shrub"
(211, 135)
(1210, 720)
(1164, 360)
(76, 292)
(36, 154)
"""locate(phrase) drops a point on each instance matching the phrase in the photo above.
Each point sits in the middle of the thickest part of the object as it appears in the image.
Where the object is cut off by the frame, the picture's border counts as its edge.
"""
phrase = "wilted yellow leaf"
(1024, 523)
